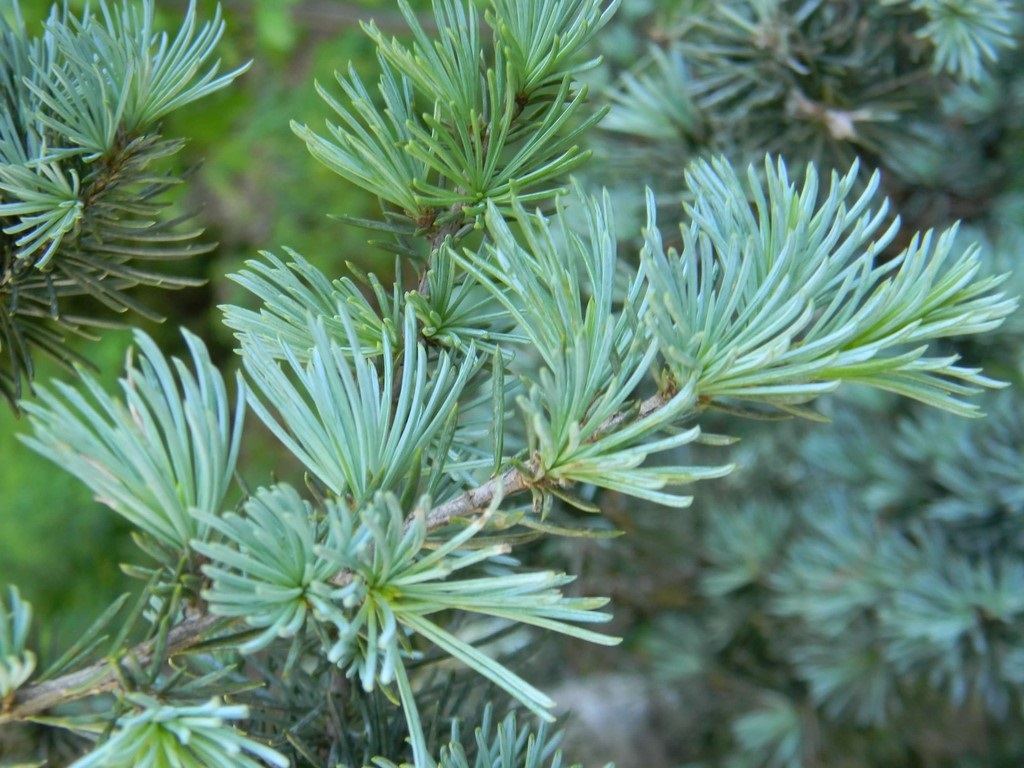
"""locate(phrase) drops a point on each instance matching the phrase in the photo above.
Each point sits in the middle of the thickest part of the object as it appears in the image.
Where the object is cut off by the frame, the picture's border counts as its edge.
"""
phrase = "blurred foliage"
(850, 595)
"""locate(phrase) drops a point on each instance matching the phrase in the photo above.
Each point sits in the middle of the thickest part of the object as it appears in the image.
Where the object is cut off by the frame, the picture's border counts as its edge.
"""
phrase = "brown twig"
(511, 481)
(102, 677)
(647, 407)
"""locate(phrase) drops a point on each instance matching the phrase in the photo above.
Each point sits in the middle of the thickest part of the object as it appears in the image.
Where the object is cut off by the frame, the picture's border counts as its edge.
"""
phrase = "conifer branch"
(395, 401)
(475, 500)
(514, 480)
(102, 677)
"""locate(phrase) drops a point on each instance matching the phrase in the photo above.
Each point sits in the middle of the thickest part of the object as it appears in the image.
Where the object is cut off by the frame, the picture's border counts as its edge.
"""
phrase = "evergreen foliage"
(541, 361)
(82, 193)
